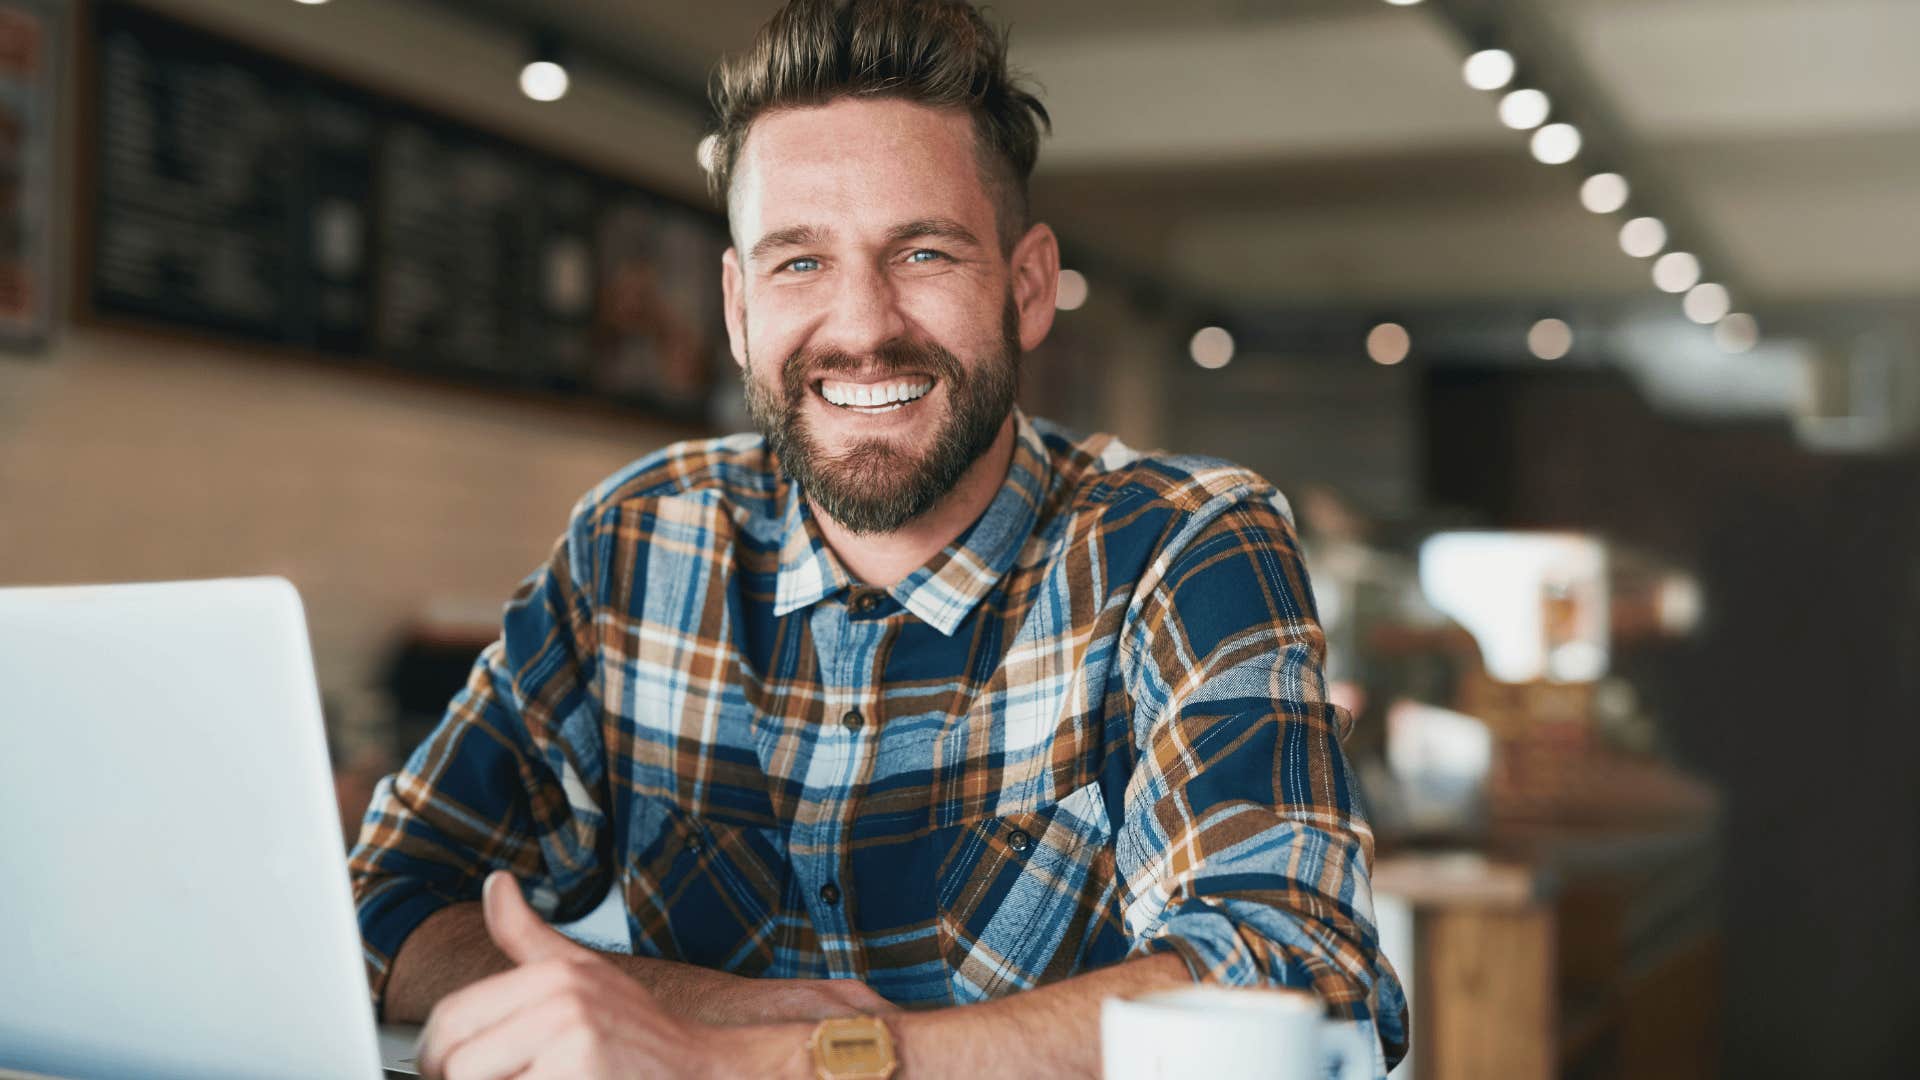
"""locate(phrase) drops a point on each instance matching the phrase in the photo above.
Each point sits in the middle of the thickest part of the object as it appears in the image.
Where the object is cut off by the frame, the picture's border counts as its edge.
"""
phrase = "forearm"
(1050, 1031)
(450, 949)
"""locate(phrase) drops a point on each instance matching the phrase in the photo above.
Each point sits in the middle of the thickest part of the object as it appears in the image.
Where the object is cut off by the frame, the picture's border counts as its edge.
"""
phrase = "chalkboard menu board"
(28, 44)
(244, 195)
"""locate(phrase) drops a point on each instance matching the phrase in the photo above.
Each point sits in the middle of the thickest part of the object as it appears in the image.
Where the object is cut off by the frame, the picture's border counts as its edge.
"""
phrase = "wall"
(128, 456)
(124, 458)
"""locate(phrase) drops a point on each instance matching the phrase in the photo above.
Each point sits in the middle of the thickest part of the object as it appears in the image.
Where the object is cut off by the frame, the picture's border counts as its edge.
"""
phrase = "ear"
(733, 291)
(1035, 268)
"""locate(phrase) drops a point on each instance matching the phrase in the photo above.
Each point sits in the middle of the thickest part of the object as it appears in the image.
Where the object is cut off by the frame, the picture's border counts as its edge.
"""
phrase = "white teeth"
(893, 394)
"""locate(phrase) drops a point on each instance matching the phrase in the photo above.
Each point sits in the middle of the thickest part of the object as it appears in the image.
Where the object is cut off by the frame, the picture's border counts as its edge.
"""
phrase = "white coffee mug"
(1223, 1033)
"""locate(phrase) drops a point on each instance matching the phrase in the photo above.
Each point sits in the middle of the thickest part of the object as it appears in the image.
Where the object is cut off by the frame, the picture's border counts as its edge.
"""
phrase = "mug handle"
(1345, 1040)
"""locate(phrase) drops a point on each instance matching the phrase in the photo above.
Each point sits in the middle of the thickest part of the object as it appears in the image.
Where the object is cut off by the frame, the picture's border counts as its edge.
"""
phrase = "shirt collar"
(808, 571)
(947, 589)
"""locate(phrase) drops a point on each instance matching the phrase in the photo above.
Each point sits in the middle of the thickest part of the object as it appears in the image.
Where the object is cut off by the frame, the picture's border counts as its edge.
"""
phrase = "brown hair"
(941, 53)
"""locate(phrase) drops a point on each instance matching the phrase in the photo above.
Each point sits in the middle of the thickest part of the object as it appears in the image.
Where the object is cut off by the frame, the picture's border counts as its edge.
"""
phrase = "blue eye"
(804, 264)
(931, 254)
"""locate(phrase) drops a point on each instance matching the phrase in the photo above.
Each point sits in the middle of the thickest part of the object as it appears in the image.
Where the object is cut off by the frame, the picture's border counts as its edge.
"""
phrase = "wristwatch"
(852, 1048)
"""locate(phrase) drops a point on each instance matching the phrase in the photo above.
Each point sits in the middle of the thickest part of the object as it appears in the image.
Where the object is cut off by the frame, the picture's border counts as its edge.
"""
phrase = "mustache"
(899, 356)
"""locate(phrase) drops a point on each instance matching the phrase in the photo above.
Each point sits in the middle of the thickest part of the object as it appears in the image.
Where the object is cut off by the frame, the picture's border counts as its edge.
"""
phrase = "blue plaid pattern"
(1094, 727)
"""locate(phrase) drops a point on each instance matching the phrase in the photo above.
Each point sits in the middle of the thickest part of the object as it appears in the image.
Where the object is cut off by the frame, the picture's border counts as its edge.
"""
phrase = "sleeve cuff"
(387, 918)
(1211, 943)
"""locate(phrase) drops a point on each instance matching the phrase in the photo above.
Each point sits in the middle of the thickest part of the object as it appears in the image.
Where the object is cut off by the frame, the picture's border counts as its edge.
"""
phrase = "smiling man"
(905, 703)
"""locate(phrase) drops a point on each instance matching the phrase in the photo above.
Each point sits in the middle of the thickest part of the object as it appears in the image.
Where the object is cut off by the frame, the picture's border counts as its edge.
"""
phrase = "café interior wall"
(468, 69)
(123, 458)
(126, 456)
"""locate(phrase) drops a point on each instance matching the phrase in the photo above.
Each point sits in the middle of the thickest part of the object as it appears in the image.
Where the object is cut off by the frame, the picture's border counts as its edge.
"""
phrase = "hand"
(564, 1011)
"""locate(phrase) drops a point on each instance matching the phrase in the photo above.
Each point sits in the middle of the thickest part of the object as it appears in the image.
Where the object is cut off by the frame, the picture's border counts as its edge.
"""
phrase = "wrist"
(774, 1051)
(691, 992)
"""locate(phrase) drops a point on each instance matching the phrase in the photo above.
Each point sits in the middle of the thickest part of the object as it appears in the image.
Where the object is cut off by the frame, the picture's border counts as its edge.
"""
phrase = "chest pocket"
(704, 890)
(1023, 895)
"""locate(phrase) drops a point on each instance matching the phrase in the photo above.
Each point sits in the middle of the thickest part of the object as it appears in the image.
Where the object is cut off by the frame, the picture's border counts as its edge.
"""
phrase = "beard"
(876, 486)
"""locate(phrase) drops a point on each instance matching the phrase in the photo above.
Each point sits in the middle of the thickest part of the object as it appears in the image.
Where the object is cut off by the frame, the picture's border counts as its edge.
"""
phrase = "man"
(909, 702)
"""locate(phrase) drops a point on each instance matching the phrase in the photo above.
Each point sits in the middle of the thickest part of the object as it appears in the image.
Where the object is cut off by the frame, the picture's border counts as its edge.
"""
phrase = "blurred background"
(1584, 336)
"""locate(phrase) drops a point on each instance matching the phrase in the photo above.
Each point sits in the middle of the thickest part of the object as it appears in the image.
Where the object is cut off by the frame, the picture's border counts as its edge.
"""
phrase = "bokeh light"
(1676, 272)
(1556, 144)
(1550, 339)
(1643, 237)
(1524, 110)
(1604, 193)
(1737, 333)
(1389, 343)
(1072, 291)
(1211, 347)
(1488, 69)
(544, 80)
(1707, 303)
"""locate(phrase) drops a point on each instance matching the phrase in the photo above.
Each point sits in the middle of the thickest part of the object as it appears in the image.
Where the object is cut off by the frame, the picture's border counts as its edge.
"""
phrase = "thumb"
(518, 929)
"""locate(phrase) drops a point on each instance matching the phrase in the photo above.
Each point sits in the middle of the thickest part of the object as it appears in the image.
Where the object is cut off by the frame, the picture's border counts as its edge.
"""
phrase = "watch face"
(855, 1047)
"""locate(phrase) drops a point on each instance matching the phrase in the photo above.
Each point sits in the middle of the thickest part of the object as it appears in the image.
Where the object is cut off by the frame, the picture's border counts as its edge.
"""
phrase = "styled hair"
(940, 53)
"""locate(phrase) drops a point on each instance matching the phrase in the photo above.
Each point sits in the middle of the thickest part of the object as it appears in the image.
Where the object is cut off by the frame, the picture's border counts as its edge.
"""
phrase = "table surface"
(396, 1045)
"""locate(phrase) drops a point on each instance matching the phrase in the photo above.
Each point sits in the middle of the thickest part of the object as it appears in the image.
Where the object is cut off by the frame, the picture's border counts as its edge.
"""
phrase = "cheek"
(774, 326)
(967, 325)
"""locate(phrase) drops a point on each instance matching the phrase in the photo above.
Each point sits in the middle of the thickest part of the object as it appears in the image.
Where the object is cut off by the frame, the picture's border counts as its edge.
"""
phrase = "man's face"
(876, 318)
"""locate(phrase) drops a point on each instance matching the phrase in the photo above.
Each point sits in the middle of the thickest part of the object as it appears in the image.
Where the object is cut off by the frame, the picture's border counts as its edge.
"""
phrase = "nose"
(866, 312)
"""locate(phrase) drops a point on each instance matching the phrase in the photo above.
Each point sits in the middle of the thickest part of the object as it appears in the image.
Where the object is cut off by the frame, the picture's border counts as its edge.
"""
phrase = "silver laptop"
(173, 887)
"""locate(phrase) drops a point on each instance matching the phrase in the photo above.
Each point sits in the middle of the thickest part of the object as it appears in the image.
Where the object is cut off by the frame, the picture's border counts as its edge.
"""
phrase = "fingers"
(519, 931)
(577, 1020)
(511, 1047)
(462, 1015)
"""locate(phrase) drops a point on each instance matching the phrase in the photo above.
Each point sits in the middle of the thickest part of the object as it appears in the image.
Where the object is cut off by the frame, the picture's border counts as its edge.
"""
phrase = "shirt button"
(853, 720)
(695, 845)
(865, 602)
(830, 894)
(1019, 841)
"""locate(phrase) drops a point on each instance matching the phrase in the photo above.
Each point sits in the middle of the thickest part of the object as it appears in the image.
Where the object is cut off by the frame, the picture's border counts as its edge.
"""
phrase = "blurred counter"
(1553, 951)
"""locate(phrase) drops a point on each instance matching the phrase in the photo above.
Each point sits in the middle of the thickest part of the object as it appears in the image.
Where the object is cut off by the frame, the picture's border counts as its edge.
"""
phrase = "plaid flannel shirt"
(1094, 727)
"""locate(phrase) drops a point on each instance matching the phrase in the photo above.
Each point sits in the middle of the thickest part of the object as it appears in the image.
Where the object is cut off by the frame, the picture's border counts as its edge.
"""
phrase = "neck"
(883, 559)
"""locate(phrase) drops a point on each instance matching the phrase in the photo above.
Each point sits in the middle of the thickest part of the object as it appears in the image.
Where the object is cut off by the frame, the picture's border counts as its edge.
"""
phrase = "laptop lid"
(175, 897)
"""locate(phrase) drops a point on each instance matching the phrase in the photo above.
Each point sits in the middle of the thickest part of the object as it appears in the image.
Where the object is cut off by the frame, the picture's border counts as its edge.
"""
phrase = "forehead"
(858, 164)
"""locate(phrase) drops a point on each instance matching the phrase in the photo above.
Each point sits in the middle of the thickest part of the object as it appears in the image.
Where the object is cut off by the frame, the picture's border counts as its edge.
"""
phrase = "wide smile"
(874, 397)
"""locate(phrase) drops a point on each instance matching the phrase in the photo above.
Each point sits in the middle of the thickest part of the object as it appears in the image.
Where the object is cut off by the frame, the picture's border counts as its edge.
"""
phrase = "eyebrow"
(808, 236)
(939, 228)
(793, 236)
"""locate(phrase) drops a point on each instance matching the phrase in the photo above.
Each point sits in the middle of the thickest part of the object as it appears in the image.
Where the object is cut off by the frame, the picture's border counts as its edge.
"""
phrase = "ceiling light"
(1211, 347)
(1707, 303)
(1488, 69)
(1603, 193)
(1556, 144)
(544, 80)
(1524, 110)
(1389, 343)
(1643, 237)
(1403, 3)
(1071, 292)
(545, 77)
(1550, 339)
(310, 3)
(1737, 333)
(1676, 272)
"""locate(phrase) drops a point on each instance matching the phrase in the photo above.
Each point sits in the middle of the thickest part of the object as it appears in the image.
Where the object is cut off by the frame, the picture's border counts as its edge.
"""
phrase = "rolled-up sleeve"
(513, 778)
(1244, 848)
